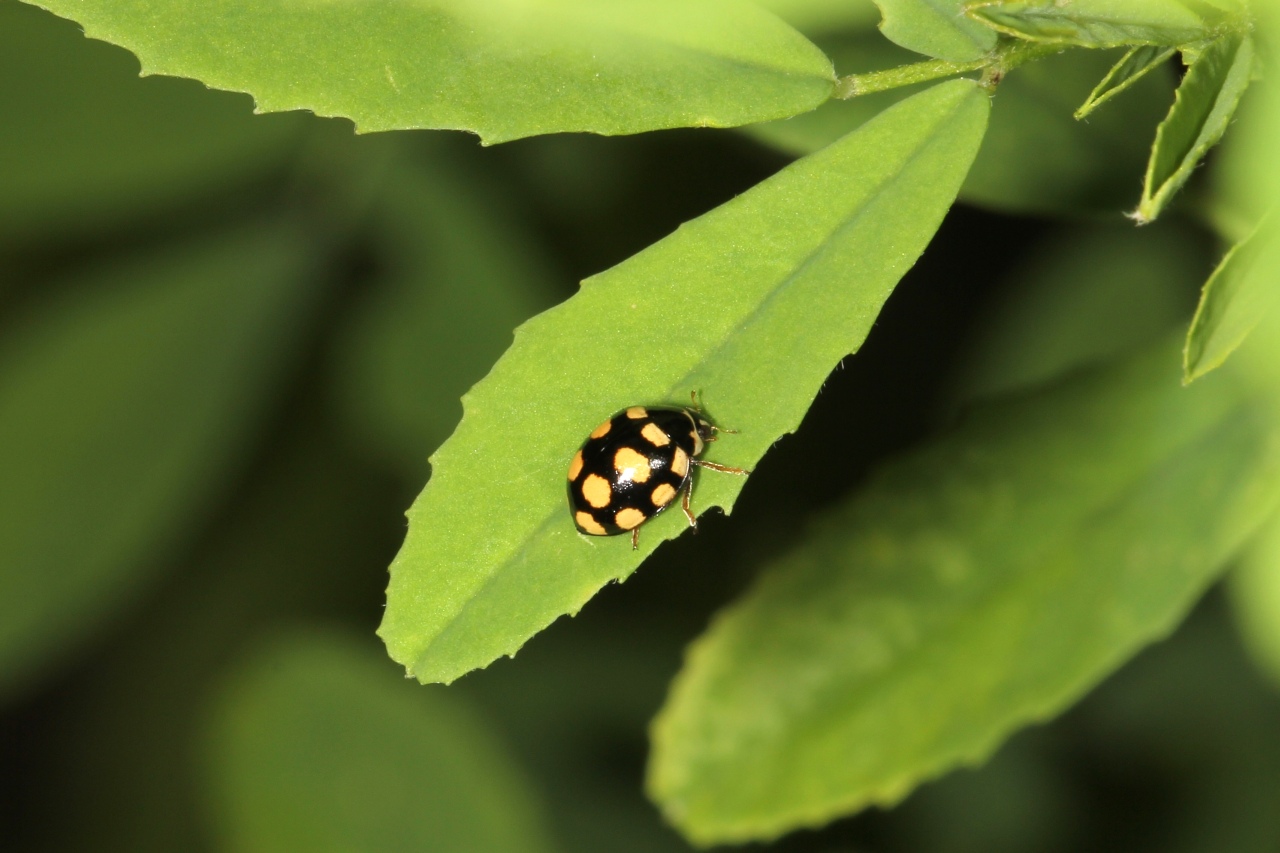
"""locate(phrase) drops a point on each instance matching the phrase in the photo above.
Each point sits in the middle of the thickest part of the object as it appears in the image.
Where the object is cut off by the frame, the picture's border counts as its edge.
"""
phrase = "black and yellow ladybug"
(633, 465)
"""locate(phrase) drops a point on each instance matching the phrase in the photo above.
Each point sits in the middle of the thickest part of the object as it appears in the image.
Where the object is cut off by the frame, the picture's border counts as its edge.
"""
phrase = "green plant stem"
(1007, 56)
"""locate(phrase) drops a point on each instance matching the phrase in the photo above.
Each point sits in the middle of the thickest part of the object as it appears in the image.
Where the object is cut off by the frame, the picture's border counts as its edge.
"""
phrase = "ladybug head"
(703, 431)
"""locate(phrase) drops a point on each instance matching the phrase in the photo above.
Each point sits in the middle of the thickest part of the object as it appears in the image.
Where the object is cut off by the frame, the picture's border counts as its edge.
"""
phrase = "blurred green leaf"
(824, 16)
(1084, 295)
(730, 305)
(1255, 595)
(86, 141)
(1034, 158)
(1136, 63)
(1242, 290)
(302, 538)
(319, 745)
(1038, 159)
(1105, 23)
(124, 399)
(937, 28)
(1206, 100)
(980, 583)
(500, 69)
(1246, 173)
(458, 276)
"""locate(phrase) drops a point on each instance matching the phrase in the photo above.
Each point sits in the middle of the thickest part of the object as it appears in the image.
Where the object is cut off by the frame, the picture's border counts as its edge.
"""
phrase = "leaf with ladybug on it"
(725, 305)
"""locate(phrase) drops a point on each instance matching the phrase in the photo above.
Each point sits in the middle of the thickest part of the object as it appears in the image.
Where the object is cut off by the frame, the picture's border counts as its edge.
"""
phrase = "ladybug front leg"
(724, 469)
(684, 505)
(635, 539)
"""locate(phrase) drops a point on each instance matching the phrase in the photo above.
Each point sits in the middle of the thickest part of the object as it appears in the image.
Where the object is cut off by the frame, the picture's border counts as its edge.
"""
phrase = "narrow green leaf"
(980, 583)
(460, 276)
(86, 142)
(1206, 100)
(1129, 70)
(500, 69)
(1255, 597)
(1103, 23)
(122, 404)
(1242, 290)
(937, 28)
(318, 745)
(753, 304)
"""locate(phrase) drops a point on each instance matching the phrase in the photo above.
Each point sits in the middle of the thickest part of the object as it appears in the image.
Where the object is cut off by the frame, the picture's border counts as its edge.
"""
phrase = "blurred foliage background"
(228, 344)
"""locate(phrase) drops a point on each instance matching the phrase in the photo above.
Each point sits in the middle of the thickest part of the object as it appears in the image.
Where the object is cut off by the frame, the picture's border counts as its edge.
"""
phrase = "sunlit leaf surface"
(753, 304)
(500, 68)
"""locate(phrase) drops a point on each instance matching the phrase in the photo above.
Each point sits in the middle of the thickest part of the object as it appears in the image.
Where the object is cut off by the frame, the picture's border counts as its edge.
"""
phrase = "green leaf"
(1255, 597)
(1206, 100)
(1241, 291)
(124, 400)
(1246, 176)
(461, 276)
(753, 304)
(96, 144)
(318, 745)
(937, 28)
(1104, 23)
(980, 583)
(500, 69)
(1083, 296)
(1130, 69)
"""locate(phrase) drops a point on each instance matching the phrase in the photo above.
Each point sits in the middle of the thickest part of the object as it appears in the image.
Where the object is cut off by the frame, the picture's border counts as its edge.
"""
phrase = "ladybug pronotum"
(633, 465)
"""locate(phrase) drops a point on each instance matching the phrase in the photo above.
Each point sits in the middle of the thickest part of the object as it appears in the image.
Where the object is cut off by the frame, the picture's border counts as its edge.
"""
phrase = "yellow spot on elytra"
(628, 519)
(631, 465)
(589, 524)
(663, 494)
(596, 490)
(637, 412)
(680, 463)
(575, 466)
(601, 430)
(656, 436)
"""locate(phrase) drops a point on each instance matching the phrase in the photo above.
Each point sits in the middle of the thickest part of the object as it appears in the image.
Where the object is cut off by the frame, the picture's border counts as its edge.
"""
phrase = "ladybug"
(633, 465)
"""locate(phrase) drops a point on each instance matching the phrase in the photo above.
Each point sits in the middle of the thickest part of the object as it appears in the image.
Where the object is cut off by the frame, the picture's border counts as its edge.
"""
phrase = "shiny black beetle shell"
(633, 466)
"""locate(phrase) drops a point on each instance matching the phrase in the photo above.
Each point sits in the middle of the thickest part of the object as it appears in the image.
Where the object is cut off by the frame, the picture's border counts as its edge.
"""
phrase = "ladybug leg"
(724, 469)
(635, 539)
(684, 505)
